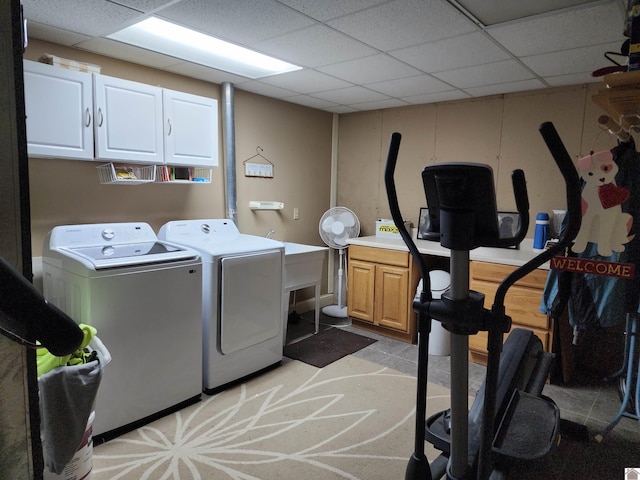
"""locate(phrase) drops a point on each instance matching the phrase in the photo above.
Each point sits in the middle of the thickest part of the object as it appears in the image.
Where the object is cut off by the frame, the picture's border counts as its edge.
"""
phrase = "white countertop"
(506, 256)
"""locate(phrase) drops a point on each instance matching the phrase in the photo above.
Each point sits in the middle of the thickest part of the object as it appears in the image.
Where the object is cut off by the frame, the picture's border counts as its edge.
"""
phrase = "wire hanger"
(259, 151)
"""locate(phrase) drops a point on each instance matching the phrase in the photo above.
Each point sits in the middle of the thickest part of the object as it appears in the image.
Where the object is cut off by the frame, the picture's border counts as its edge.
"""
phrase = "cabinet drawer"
(521, 304)
(478, 343)
(379, 255)
(494, 272)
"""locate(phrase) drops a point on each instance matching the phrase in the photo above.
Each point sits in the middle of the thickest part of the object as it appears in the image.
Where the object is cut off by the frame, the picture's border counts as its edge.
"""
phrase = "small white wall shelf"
(265, 205)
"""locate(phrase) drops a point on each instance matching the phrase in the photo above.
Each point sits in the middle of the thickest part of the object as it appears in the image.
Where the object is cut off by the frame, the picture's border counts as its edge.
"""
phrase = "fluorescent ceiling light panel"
(180, 42)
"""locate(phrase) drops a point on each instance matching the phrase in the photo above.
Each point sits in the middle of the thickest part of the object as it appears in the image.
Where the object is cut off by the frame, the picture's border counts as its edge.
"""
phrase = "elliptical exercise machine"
(510, 419)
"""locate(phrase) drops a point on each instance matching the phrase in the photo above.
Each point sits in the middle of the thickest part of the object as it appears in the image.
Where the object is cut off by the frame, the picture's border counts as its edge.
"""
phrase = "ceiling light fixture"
(180, 42)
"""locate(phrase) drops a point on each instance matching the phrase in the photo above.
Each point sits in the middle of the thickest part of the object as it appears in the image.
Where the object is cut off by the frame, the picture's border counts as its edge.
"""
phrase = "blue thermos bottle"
(541, 234)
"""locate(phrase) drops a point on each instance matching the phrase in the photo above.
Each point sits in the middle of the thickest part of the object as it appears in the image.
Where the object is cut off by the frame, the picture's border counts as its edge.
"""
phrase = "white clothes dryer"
(144, 298)
(242, 298)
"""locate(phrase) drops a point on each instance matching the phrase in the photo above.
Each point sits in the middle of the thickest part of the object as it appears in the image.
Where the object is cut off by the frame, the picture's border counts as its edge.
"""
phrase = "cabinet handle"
(88, 117)
(101, 118)
(169, 125)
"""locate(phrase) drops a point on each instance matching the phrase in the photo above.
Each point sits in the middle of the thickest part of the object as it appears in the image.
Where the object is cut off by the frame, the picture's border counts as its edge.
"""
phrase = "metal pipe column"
(229, 151)
(458, 461)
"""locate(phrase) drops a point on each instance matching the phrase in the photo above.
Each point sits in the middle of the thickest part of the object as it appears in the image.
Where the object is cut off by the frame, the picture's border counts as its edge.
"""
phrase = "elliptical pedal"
(516, 439)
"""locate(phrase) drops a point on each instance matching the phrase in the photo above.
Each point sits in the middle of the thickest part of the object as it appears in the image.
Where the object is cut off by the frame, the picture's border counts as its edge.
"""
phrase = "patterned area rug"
(350, 420)
(326, 347)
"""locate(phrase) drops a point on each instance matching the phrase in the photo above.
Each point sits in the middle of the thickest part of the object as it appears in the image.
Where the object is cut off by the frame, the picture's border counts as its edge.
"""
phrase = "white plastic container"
(439, 338)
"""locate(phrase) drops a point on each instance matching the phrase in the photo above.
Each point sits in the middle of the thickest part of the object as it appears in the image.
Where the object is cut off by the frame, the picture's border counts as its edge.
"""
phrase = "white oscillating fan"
(337, 225)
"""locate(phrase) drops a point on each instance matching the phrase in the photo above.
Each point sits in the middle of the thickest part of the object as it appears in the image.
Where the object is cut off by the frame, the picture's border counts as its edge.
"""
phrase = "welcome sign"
(594, 267)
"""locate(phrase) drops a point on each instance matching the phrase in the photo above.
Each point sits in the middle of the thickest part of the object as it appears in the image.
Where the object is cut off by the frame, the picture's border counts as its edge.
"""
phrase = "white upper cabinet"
(128, 121)
(86, 116)
(59, 110)
(190, 129)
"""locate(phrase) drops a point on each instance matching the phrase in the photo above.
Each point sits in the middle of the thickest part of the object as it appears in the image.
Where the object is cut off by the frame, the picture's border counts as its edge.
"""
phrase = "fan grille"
(337, 225)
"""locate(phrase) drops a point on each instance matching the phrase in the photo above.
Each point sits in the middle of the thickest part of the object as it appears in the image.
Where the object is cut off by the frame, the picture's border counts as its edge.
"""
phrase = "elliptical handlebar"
(574, 213)
(392, 196)
(522, 206)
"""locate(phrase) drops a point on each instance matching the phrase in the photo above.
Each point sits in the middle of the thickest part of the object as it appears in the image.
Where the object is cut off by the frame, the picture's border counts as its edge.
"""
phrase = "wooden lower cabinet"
(522, 303)
(381, 287)
(382, 284)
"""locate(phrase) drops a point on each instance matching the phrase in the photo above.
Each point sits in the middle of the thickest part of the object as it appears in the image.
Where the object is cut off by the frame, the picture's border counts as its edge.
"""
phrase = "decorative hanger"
(259, 151)
(255, 169)
(614, 128)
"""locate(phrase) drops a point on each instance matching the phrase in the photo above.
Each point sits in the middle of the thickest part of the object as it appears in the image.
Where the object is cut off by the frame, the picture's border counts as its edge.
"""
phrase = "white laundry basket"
(80, 466)
(439, 338)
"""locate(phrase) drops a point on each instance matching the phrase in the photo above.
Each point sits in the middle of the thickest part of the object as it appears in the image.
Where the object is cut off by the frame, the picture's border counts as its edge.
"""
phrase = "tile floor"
(593, 404)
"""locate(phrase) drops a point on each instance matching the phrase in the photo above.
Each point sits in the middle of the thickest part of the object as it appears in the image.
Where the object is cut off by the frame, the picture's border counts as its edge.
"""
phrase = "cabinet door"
(128, 121)
(190, 129)
(521, 303)
(361, 285)
(59, 105)
(391, 297)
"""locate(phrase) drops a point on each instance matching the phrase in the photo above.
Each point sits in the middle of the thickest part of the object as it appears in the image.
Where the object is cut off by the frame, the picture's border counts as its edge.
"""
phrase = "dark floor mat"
(326, 347)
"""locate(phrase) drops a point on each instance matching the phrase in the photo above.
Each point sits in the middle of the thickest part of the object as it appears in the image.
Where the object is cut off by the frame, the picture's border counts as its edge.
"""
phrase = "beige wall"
(501, 131)
(296, 139)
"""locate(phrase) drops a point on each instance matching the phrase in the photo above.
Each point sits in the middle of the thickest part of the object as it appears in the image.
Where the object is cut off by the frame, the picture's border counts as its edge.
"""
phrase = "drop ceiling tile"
(261, 88)
(305, 81)
(241, 21)
(309, 101)
(412, 86)
(53, 34)
(507, 87)
(314, 46)
(402, 23)
(128, 53)
(341, 109)
(574, 79)
(437, 97)
(381, 104)
(580, 27)
(376, 68)
(328, 10)
(87, 17)
(577, 60)
(462, 51)
(201, 72)
(143, 5)
(491, 12)
(350, 95)
(488, 74)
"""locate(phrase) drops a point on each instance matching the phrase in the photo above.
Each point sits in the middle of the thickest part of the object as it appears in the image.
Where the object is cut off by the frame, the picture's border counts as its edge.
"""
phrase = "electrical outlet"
(296, 213)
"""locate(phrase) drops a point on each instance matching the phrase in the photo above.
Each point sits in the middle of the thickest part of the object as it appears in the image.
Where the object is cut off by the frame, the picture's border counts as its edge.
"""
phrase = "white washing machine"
(242, 298)
(144, 298)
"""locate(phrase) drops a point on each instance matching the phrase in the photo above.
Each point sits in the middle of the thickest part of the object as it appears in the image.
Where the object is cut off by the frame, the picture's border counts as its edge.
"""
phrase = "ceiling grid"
(364, 54)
